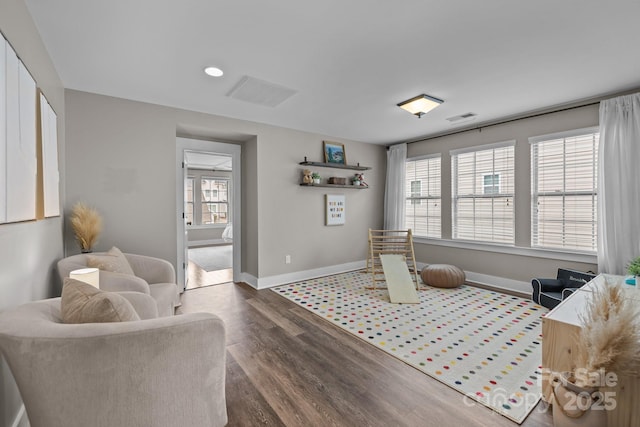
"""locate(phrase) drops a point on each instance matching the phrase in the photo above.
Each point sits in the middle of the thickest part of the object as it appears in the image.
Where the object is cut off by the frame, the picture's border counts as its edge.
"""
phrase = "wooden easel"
(390, 242)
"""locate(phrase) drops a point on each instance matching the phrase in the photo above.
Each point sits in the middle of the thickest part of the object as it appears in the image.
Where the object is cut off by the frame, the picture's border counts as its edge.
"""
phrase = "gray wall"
(29, 250)
(250, 233)
(510, 266)
(121, 157)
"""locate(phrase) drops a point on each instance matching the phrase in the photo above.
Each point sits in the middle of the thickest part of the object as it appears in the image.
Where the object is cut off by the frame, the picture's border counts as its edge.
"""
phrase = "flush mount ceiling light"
(420, 105)
(214, 71)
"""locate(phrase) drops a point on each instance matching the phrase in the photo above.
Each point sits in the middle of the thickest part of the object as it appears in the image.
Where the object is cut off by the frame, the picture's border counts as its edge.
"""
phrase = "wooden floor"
(199, 278)
(289, 367)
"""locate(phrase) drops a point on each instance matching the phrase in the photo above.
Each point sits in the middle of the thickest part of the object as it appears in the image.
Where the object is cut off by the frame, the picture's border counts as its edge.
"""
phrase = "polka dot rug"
(484, 344)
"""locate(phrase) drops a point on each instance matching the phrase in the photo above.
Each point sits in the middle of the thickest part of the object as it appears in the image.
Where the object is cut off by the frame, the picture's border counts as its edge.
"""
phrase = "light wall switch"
(287, 259)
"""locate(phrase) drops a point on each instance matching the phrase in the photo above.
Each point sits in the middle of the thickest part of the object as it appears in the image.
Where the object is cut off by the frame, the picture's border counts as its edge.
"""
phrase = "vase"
(316, 180)
(574, 405)
(356, 183)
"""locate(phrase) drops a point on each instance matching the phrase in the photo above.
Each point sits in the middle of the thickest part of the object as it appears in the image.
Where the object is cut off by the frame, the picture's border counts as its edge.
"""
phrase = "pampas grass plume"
(609, 339)
(87, 225)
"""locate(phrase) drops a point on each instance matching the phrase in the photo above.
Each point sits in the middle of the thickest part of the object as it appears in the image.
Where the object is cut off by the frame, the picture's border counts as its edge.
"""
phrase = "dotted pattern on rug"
(484, 344)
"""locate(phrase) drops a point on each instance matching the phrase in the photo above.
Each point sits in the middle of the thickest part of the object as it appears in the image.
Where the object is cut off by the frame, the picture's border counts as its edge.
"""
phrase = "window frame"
(535, 194)
(455, 197)
(203, 201)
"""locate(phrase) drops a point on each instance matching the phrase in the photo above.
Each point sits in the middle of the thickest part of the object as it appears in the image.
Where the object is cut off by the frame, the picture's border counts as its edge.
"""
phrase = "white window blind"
(423, 210)
(482, 193)
(564, 190)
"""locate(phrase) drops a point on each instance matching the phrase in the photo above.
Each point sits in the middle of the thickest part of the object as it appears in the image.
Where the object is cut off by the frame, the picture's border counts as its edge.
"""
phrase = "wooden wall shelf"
(336, 165)
(354, 187)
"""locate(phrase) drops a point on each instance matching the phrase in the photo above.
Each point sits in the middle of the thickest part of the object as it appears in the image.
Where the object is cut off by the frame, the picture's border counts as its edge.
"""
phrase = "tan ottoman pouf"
(442, 276)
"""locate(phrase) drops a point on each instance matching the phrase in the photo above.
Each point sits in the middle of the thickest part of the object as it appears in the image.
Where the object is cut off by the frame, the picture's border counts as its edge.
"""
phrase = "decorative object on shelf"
(334, 153)
(307, 177)
(334, 180)
(358, 179)
(334, 209)
(87, 226)
(316, 177)
(634, 270)
(607, 346)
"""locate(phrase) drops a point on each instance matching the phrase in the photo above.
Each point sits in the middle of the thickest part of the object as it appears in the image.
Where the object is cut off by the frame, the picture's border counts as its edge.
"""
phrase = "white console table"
(559, 328)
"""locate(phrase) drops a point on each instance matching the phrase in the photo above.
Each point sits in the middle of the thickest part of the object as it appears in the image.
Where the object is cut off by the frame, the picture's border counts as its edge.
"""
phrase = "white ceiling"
(350, 61)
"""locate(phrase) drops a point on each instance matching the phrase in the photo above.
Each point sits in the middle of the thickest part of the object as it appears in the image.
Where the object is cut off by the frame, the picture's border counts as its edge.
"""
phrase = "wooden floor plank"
(289, 367)
(249, 406)
(275, 317)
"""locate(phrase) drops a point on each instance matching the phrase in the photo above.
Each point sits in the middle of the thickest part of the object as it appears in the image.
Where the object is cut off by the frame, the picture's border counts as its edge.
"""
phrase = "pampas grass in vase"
(607, 347)
(87, 225)
(609, 340)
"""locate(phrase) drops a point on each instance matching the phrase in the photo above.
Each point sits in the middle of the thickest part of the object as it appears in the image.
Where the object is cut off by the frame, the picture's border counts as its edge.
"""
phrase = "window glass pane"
(491, 184)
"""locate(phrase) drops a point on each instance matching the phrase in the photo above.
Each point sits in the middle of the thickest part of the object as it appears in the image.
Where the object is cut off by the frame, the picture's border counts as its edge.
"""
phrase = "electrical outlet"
(287, 259)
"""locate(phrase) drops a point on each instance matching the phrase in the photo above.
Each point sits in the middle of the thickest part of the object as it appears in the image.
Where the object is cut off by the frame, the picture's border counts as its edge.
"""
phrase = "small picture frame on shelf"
(334, 153)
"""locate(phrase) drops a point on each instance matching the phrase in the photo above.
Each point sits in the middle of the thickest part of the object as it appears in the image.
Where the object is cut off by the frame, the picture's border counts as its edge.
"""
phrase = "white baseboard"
(522, 289)
(283, 279)
(20, 417)
(498, 283)
(249, 279)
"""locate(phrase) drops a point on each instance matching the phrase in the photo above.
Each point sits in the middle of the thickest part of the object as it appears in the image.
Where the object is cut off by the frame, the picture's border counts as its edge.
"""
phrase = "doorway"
(208, 202)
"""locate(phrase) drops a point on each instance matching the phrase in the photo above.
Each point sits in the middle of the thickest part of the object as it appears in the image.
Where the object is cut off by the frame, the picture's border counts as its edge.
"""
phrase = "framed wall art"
(334, 209)
(334, 153)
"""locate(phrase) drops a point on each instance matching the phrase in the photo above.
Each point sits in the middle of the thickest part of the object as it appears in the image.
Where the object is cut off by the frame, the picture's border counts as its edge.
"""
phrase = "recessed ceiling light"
(214, 71)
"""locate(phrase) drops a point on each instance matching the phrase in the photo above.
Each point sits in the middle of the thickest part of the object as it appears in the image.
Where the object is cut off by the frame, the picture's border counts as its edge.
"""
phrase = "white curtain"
(394, 199)
(619, 184)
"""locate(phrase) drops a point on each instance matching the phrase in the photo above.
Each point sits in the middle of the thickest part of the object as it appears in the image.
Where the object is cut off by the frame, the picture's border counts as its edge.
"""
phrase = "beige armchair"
(166, 371)
(153, 276)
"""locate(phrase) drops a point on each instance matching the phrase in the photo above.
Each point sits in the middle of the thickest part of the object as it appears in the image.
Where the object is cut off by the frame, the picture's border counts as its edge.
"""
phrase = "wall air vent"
(260, 92)
(462, 118)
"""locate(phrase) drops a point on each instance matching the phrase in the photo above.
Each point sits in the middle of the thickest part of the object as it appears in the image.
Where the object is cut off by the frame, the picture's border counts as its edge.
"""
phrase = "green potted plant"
(634, 270)
(316, 177)
(356, 179)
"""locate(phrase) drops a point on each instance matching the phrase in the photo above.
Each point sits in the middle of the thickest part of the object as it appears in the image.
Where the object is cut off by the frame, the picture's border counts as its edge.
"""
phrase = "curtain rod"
(515, 119)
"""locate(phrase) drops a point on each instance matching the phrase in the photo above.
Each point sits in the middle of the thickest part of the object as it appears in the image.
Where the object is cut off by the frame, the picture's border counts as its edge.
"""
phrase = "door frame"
(233, 150)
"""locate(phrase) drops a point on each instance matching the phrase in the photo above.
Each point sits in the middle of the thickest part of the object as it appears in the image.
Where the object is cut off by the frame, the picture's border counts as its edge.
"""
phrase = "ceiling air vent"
(260, 92)
(462, 118)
